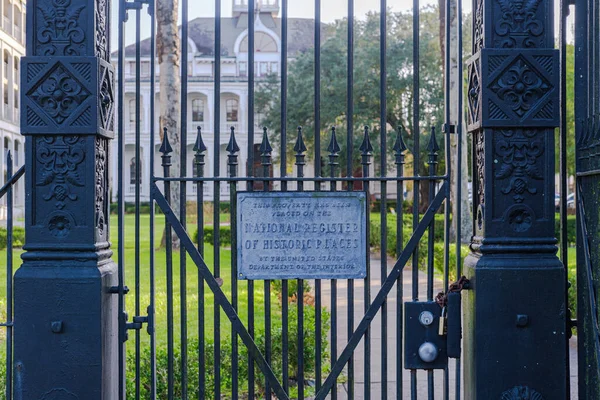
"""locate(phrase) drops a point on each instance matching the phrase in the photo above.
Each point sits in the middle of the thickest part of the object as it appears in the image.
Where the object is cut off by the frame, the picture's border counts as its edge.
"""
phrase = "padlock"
(443, 320)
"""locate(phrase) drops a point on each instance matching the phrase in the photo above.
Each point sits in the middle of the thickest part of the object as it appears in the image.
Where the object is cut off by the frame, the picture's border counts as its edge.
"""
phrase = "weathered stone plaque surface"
(308, 235)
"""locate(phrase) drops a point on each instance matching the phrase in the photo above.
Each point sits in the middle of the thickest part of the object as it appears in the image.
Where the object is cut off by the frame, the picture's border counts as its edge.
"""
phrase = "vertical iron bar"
(349, 145)
(183, 200)
(200, 148)
(459, 166)
(265, 155)
(300, 149)
(433, 149)
(250, 173)
(383, 173)
(399, 149)
(416, 163)
(283, 169)
(216, 198)
(151, 307)
(333, 334)
(120, 194)
(366, 153)
(448, 163)
(9, 276)
(232, 149)
(318, 173)
(137, 171)
(166, 164)
(564, 245)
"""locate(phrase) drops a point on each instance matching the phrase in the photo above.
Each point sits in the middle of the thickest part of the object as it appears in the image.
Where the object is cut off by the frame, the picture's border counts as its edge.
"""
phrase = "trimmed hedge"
(224, 234)
(18, 237)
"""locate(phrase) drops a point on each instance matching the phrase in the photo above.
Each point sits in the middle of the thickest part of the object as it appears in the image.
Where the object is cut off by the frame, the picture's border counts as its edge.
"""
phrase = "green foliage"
(224, 234)
(334, 92)
(571, 228)
(18, 237)
(225, 359)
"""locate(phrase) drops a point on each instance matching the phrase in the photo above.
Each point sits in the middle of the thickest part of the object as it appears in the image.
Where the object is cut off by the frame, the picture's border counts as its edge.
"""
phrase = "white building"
(12, 47)
(234, 90)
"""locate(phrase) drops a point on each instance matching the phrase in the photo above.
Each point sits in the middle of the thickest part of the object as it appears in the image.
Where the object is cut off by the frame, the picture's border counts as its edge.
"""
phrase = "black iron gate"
(587, 127)
(291, 338)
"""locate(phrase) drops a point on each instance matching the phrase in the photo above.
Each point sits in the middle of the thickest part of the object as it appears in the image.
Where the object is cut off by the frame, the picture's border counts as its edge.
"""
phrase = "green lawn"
(191, 295)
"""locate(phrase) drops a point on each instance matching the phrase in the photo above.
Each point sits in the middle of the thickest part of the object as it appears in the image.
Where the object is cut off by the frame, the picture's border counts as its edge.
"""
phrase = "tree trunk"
(168, 51)
(456, 89)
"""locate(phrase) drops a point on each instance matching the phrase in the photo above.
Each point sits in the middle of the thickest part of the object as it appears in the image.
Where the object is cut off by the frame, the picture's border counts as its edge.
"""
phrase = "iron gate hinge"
(117, 290)
(449, 128)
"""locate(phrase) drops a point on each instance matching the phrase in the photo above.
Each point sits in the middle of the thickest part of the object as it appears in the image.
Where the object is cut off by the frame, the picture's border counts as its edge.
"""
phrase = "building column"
(66, 315)
(515, 311)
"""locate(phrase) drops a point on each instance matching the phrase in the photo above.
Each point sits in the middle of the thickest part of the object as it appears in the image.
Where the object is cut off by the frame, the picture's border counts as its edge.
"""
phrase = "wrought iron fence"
(288, 332)
(7, 193)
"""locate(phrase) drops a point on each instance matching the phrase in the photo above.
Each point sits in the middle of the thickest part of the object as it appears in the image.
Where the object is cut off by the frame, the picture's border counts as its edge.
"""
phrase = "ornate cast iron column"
(66, 320)
(515, 313)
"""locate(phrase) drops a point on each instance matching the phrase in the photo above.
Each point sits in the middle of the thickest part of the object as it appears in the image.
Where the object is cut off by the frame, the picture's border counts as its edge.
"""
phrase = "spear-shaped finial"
(433, 147)
(366, 148)
(232, 146)
(433, 144)
(165, 146)
(232, 157)
(399, 148)
(300, 148)
(265, 148)
(166, 150)
(199, 146)
(334, 147)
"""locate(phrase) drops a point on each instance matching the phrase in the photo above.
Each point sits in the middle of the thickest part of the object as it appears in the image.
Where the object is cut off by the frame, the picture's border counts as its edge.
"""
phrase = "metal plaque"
(307, 235)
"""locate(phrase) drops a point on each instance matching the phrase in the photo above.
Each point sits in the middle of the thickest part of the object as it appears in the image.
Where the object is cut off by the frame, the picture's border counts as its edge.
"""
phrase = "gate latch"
(433, 330)
(451, 326)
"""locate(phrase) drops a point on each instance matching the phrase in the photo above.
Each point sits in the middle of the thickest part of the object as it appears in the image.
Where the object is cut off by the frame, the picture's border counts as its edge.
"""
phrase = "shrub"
(225, 361)
(18, 237)
(224, 234)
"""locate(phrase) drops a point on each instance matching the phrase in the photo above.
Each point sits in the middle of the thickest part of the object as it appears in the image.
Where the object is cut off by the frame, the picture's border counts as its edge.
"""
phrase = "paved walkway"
(376, 334)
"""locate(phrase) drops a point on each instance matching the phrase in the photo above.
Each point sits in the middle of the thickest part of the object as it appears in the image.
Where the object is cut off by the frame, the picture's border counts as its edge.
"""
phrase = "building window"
(264, 68)
(145, 66)
(197, 110)
(132, 116)
(16, 99)
(16, 73)
(132, 175)
(231, 107)
(6, 64)
(190, 70)
(274, 68)
(17, 153)
(5, 94)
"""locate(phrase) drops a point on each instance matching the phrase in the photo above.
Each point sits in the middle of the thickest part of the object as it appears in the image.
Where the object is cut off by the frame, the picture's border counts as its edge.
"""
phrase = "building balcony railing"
(17, 115)
(5, 112)
(18, 34)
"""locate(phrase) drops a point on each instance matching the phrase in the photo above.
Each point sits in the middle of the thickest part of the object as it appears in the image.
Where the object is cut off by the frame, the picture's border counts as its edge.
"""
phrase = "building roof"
(202, 32)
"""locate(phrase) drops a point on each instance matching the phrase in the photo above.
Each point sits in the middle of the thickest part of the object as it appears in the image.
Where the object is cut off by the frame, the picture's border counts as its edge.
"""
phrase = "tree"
(456, 89)
(366, 86)
(168, 52)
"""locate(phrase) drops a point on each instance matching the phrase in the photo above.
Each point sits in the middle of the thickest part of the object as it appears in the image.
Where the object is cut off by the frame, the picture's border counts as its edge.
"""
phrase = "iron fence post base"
(514, 328)
(66, 346)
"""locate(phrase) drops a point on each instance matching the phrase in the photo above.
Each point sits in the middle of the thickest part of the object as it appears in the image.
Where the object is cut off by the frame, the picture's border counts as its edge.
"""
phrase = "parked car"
(570, 201)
